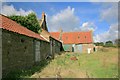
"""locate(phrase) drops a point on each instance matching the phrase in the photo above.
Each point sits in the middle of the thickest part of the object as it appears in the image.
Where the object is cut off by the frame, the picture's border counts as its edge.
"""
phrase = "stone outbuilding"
(23, 48)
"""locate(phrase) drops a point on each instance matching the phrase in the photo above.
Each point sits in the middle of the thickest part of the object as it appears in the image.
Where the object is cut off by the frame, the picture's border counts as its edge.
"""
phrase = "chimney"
(60, 36)
(43, 22)
(91, 31)
(43, 15)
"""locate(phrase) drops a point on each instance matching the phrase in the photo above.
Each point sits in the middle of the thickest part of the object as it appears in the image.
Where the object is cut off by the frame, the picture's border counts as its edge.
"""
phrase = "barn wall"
(0, 54)
(86, 46)
(17, 51)
(78, 48)
(22, 52)
(44, 49)
(67, 47)
(55, 46)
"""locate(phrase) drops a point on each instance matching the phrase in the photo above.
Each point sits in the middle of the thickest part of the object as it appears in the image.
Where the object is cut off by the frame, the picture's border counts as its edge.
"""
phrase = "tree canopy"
(30, 21)
(108, 43)
(99, 44)
(117, 42)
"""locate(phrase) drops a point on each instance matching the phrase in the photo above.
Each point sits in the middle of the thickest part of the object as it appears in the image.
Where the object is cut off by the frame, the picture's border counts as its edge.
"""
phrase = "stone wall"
(55, 46)
(17, 51)
(22, 52)
(0, 54)
(44, 49)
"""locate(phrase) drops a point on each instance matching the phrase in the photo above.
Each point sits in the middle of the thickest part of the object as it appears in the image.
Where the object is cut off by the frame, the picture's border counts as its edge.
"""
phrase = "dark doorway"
(94, 49)
(72, 49)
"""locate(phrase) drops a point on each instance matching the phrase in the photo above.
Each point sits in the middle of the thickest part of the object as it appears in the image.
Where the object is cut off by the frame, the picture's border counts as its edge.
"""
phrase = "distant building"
(76, 41)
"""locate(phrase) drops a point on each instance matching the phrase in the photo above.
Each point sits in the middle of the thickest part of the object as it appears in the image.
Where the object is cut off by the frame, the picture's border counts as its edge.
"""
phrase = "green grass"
(101, 64)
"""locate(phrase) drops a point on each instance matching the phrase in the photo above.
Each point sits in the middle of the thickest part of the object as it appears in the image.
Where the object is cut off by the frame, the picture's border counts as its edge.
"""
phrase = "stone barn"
(21, 48)
(81, 42)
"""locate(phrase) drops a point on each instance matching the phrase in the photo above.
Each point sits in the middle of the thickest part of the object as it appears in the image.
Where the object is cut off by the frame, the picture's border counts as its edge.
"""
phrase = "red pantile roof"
(11, 25)
(74, 37)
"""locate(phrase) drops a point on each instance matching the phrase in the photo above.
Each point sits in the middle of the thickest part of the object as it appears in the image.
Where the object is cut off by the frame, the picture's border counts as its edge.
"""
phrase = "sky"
(100, 17)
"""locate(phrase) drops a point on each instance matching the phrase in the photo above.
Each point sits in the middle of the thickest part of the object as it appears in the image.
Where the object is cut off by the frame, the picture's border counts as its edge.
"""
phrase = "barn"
(23, 48)
(81, 42)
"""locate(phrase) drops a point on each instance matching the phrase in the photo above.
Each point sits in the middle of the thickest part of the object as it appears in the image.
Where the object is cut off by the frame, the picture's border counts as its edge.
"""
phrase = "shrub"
(30, 21)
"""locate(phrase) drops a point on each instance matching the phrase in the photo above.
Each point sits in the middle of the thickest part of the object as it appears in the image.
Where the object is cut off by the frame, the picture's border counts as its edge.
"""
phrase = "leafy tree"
(117, 42)
(109, 44)
(30, 21)
(99, 44)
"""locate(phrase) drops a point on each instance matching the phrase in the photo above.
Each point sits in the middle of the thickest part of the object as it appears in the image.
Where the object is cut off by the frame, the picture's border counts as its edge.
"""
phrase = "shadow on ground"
(24, 73)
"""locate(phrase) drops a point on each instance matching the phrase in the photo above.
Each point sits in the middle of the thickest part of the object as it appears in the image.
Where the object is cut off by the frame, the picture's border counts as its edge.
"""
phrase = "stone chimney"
(43, 24)
(91, 31)
(43, 16)
(60, 36)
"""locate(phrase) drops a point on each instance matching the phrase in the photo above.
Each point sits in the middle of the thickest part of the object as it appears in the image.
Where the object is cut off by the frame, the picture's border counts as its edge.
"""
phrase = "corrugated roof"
(11, 25)
(74, 37)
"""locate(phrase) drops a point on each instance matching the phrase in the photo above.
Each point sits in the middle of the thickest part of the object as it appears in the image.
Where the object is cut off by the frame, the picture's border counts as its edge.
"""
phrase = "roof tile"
(11, 25)
(74, 37)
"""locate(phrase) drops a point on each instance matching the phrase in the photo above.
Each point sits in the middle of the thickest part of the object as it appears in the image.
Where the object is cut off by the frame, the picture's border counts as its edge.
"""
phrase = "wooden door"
(37, 51)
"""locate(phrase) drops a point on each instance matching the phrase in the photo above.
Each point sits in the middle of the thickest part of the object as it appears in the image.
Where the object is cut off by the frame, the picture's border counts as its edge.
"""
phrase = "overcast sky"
(101, 18)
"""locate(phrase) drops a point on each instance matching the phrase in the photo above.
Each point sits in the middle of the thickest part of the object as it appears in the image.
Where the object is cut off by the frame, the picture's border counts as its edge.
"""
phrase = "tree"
(109, 44)
(117, 42)
(99, 44)
(30, 21)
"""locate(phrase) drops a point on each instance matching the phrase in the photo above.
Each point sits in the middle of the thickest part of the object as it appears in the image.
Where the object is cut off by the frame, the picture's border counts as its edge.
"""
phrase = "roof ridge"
(18, 28)
(76, 31)
(71, 32)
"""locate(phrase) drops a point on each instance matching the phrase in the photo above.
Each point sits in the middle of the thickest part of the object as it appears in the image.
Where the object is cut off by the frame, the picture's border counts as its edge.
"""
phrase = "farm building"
(75, 41)
(22, 48)
(55, 44)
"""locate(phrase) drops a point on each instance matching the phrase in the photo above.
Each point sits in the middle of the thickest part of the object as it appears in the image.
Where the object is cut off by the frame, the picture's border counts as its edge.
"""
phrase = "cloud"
(68, 21)
(110, 14)
(87, 26)
(10, 10)
(65, 19)
(111, 34)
